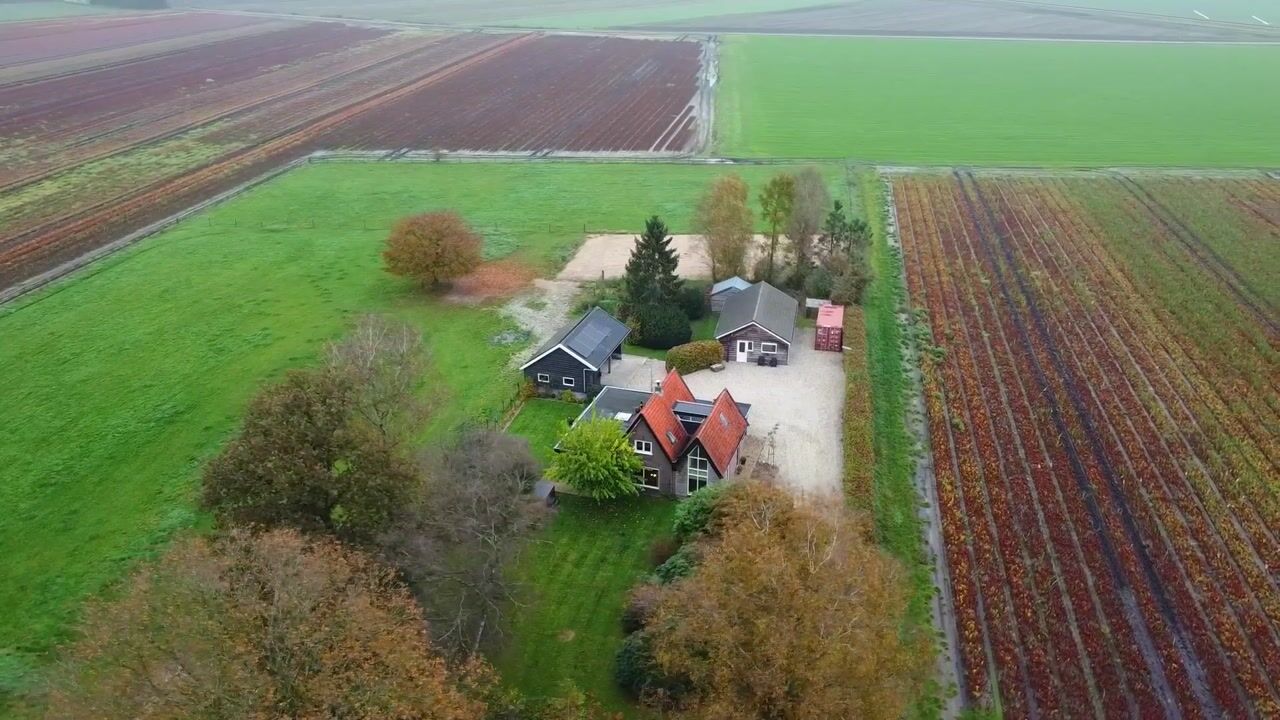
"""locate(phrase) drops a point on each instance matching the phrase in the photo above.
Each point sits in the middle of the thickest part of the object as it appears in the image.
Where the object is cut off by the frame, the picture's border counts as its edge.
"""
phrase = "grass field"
(118, 383)
(540, 421)
(576, 575)
(17, 12)
(999, 103)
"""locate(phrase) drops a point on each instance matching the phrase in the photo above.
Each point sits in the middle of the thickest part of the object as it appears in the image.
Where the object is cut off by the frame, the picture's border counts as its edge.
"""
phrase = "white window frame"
(544, 378)
(568, 382)
(764, 348)
(644, 477)
(698, 471)
(637, 444)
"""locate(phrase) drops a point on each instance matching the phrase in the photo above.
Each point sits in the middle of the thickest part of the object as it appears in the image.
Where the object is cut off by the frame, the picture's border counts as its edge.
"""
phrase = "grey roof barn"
(593, 339)
(761, 304)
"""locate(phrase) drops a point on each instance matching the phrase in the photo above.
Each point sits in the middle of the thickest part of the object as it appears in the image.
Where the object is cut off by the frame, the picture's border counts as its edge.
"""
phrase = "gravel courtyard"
(795, 410)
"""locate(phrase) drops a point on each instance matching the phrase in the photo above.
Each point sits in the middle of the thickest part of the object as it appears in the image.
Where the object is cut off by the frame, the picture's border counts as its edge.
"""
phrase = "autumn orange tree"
(262, 626)
(792, 614)
(432, 248)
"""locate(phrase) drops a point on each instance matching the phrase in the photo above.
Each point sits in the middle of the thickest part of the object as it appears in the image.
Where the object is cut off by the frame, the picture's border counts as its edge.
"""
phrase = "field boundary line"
(942, 604)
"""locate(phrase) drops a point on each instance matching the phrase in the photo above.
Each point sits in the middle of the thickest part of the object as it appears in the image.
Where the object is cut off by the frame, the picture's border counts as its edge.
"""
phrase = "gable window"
(769, 348)
(643, 447)
(699, 471)
(568, 381)
(544, 378)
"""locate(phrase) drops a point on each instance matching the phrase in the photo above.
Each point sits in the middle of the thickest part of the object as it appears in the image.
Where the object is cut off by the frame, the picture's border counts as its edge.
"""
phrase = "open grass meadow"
(576, 575)
(119, 382)
(945, 102)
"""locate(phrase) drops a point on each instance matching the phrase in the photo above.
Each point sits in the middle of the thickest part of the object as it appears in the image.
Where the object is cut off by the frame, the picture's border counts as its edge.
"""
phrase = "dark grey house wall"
(681, 477)
(559, 365)
(658, 460)
(758, 335)
(719, 299)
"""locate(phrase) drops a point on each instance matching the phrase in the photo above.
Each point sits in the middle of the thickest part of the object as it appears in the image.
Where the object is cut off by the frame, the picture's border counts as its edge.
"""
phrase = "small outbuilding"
(830, 329)
(576, 358)
(725, 289)
(757, 325)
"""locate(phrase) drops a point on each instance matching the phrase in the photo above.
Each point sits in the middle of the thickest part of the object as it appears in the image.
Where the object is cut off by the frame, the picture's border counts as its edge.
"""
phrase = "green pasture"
(540, 422)
(118, 383)
(575, 578)
(948, 102)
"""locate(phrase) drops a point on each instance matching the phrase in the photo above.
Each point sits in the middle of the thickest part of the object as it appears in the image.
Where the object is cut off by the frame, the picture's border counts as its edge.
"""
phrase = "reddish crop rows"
(560, 93)
(27, 43)
(1109, 485)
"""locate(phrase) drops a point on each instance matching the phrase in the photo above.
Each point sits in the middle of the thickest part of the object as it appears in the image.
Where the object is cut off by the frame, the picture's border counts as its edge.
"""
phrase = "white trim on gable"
(753, 322)
(573, 354)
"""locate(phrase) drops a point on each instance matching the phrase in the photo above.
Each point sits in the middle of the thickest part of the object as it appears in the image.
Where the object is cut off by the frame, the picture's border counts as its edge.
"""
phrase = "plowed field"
(1104, 409)
(91, 153)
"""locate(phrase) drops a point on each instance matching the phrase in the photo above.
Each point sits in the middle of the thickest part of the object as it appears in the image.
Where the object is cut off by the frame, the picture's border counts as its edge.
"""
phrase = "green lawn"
(540, 421)
(999, 103)
(117, 384)
(16, 12)
(577, 574)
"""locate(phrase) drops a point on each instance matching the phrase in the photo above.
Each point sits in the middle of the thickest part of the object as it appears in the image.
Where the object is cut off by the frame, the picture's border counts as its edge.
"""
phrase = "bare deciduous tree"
(723, 219)
(386, 363)
(459, 533)
(807, 214)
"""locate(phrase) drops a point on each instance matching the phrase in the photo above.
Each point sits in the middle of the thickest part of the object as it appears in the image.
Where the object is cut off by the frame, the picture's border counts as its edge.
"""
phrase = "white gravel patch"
(605, 257)
(541, 312)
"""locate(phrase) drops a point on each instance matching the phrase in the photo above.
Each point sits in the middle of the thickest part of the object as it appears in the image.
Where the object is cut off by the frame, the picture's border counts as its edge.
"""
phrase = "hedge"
(695, 356)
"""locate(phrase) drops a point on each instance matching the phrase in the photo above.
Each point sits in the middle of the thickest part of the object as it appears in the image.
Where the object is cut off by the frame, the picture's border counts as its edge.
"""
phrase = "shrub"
(819, 283)
(693, 514)
(695, 356)
(605, 294)
(432, 248)
(528, 389)
(567, 396)
(694, 301)
(641, 603)
(634, 668)
(662, 327)
(850, 286)
(678, 566)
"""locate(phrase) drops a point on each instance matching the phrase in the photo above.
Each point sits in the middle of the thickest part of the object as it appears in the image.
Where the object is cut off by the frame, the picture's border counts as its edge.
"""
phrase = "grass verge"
(576, 577)
(859, 416)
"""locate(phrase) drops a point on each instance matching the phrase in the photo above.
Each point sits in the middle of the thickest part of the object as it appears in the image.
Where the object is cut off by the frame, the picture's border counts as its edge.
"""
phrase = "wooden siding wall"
(559, 365)
(758, 335)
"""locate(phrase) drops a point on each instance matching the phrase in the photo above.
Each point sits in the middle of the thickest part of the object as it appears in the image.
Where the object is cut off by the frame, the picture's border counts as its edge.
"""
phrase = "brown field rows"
(91, 153)
(1106, 431)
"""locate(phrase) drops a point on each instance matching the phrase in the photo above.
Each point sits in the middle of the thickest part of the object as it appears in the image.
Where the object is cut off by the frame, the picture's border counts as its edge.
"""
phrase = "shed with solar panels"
(577, 356)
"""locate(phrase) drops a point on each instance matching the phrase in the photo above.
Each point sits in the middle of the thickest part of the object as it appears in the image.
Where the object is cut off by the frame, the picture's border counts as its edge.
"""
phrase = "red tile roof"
(722, 433)
(675, 390)
(660, 416)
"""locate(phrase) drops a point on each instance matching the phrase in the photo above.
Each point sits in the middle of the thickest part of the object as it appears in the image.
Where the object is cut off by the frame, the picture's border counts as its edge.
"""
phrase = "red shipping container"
(830, 334)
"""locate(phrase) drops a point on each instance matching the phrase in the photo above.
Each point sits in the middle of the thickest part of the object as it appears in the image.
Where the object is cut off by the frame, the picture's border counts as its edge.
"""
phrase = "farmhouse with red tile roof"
(685, 443)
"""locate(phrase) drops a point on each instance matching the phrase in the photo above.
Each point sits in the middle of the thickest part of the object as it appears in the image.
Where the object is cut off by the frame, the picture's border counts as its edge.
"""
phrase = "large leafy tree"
(322, 450)
(432, 248)
(651, 279)
(776, 203)
(723, 219)
(792, 614)
(262, 626)
(595, 458)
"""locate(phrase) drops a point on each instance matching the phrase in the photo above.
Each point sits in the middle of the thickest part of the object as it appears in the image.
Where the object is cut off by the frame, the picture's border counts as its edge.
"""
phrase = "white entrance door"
(745, 348)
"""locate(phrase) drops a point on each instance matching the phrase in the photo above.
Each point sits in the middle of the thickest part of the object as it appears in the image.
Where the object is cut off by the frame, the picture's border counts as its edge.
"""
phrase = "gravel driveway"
(795, 412)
